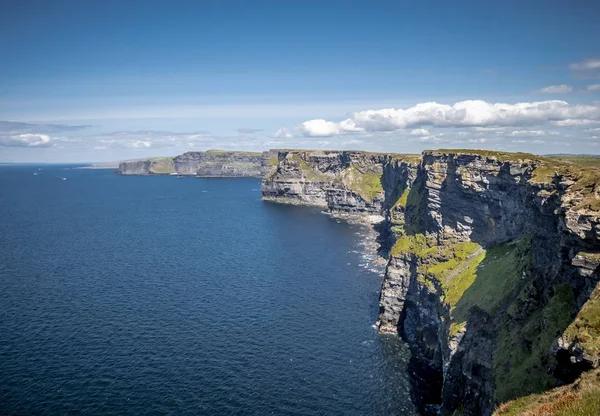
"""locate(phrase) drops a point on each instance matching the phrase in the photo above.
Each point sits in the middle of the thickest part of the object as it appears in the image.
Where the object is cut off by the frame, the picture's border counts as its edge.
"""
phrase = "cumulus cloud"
(320, 128)
(556, 89)
(26, 140)
(139, 144)
(587, 65)
(472, 113)
(283, 133)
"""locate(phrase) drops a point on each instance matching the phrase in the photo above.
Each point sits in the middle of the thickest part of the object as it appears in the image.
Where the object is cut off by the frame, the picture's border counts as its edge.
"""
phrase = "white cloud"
(26, 140)
(481, 140)
(593, 87)
(532, 133)
(321, 128)
(556, 89)
(419, 132)
(472, 113)
(139, 144)
(283, 133)
(587, 65)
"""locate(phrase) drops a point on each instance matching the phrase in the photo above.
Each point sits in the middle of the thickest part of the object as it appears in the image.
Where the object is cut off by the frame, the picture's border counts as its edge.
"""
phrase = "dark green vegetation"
(521, 358)
(586, 327)
(366, 183)
(582, 398)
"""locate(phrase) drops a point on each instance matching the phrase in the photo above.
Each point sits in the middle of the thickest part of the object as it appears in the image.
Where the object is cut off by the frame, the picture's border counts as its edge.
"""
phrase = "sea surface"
(157, 295)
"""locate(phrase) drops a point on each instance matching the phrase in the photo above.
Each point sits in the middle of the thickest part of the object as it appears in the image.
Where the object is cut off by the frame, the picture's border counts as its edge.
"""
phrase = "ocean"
(157, 295)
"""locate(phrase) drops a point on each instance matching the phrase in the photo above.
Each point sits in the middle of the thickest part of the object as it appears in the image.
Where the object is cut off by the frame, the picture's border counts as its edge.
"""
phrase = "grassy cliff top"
(161, 159)
(583, 160)
(230, 152)
(503, 156)
(407, 157)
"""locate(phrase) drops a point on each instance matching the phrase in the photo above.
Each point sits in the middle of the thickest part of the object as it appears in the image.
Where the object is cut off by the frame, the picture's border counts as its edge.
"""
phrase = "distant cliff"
(493, 263)
(212, 163)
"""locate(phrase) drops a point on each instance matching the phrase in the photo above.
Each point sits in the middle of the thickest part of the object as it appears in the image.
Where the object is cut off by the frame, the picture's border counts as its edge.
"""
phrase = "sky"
(94, 81)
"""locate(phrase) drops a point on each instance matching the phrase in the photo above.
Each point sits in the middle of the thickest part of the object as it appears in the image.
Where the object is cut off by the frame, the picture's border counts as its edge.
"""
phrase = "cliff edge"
(212, 163)
(493, 263)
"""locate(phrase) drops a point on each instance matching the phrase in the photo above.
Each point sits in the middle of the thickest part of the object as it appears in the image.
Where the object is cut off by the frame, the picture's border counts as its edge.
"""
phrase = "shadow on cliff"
(523, 294)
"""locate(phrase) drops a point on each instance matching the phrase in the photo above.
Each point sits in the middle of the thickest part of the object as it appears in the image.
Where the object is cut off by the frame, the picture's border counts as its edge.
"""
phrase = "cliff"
(212, 163)
(492, 275)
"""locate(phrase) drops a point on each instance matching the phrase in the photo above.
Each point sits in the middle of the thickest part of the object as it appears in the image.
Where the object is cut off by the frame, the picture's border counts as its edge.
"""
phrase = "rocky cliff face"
(212, 163)
(492, 278)
(343, 181)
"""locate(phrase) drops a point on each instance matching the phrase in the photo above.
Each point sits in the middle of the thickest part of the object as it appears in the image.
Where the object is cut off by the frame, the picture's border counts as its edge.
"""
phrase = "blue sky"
(110, 80)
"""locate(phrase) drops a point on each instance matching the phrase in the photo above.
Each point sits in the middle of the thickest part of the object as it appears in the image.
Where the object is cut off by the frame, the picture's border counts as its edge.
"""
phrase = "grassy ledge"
(582, 398)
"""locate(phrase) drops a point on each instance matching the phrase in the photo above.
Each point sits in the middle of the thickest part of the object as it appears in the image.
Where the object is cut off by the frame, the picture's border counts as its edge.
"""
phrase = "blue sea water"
(158, 295)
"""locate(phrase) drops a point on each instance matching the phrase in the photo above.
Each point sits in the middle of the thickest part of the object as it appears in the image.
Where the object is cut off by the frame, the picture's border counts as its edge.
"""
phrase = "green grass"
(273, 161)
(489, 279)
(521, 357)
(586, 326)
(403, 199)
(590, 160)
(308, 172)
(502, 156)
(218, 152)
(543, 174)
(413, 159)
(161, 159)
(590, 256)
(456, 287)
(414, 244)
(581, 398)
(367, 184)
(162, 165)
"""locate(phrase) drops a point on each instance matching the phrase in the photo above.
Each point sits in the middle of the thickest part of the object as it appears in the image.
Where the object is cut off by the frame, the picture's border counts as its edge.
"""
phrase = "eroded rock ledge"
(493, 263)
(212, 163)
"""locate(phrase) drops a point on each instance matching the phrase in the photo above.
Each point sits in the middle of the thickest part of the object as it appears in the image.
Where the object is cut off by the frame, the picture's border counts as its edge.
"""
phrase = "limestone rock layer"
(493, 262)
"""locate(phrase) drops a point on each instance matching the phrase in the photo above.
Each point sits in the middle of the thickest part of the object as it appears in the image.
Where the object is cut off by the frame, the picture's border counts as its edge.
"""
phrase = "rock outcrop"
(492, 276)
(212, 163)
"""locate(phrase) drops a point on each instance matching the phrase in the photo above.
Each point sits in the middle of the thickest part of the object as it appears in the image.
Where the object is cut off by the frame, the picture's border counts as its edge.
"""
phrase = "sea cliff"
(212, 163)
(492, 263)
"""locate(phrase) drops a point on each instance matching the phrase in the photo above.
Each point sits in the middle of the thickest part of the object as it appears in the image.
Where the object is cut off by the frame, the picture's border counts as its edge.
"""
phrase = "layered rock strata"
(493, 273)
(212, 163)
